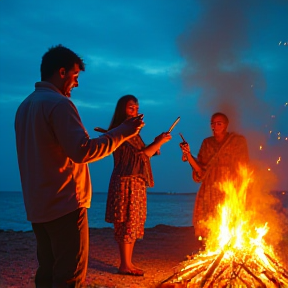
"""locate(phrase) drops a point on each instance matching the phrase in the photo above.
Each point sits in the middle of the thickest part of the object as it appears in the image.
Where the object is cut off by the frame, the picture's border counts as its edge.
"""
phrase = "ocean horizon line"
(101, 192)
(157, 226)
(154, 192)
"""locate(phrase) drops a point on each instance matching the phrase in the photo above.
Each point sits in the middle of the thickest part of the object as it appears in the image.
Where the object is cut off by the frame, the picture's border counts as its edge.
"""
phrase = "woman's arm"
(187, 156)
(151, 149)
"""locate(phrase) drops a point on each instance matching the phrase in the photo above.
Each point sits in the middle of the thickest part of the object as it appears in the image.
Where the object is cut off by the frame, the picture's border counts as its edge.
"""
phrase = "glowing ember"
(236, 254)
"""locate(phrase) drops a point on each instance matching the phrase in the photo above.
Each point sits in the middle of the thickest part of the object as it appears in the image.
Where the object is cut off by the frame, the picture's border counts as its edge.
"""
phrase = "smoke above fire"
(226, 74)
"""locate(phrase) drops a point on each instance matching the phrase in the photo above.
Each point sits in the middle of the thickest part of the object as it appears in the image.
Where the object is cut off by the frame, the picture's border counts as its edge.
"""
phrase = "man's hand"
(134, 124)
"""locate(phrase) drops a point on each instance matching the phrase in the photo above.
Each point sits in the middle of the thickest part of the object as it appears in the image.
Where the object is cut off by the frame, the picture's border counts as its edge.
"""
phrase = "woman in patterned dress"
(218, 159)
(132, 174)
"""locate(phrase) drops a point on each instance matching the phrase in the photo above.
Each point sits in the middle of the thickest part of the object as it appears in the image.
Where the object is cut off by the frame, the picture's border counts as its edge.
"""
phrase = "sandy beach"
(162, 248)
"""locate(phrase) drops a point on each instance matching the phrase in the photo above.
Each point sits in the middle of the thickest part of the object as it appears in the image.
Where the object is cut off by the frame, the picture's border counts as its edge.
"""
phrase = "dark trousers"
(62, 251)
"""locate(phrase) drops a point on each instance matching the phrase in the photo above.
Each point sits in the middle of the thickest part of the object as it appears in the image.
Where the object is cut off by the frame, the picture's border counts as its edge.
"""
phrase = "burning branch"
(212, 269)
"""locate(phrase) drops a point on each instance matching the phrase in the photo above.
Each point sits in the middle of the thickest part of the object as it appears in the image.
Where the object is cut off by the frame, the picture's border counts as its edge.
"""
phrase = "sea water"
(172, 209)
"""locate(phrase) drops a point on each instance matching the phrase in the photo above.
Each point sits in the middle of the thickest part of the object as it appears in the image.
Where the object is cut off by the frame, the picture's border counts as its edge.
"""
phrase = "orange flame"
(234, 228)
(236, 253)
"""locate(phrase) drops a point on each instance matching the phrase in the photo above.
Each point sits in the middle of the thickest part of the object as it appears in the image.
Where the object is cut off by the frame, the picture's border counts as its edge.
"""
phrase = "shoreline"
(162, 248)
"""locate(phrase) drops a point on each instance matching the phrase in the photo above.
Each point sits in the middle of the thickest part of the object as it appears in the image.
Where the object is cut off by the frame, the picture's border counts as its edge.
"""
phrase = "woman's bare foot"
(133, 271)
(135, 267)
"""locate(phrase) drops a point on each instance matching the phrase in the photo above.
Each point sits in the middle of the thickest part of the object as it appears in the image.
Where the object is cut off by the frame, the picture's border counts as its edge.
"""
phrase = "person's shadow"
(102, 266)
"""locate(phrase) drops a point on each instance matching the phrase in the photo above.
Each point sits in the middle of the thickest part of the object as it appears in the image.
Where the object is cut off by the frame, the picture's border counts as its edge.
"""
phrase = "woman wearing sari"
(218, 159)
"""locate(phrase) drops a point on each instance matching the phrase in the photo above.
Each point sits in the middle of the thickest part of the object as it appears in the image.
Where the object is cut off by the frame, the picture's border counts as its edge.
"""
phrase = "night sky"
(179, 58)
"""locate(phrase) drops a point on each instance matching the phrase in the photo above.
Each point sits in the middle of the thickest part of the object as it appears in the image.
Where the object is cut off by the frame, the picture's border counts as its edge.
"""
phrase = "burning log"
(188, 271)
(258, 280)
(212, 269)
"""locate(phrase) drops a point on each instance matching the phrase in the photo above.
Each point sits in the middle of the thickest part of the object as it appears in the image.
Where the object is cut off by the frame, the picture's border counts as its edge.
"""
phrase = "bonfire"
(236, 254)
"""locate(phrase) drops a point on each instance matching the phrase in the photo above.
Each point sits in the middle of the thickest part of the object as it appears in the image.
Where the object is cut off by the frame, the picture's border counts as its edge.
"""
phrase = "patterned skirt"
(207, 200)
(127, 207)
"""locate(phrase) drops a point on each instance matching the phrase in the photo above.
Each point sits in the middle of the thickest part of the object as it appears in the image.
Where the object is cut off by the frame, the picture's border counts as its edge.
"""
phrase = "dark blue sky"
(179, 58)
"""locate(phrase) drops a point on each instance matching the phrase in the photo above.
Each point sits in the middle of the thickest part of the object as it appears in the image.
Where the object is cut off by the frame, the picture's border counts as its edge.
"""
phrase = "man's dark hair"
(59, 57)
(220, 114)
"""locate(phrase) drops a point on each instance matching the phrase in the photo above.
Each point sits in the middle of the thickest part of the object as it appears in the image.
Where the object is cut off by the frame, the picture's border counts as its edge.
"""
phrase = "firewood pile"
(229, 268)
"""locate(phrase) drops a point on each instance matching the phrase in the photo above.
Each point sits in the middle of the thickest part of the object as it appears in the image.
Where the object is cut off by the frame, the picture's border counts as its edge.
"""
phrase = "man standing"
(54, 150)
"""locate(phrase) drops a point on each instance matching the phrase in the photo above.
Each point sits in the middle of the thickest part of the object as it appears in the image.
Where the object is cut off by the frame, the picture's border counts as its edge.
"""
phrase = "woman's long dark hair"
(120, 110)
